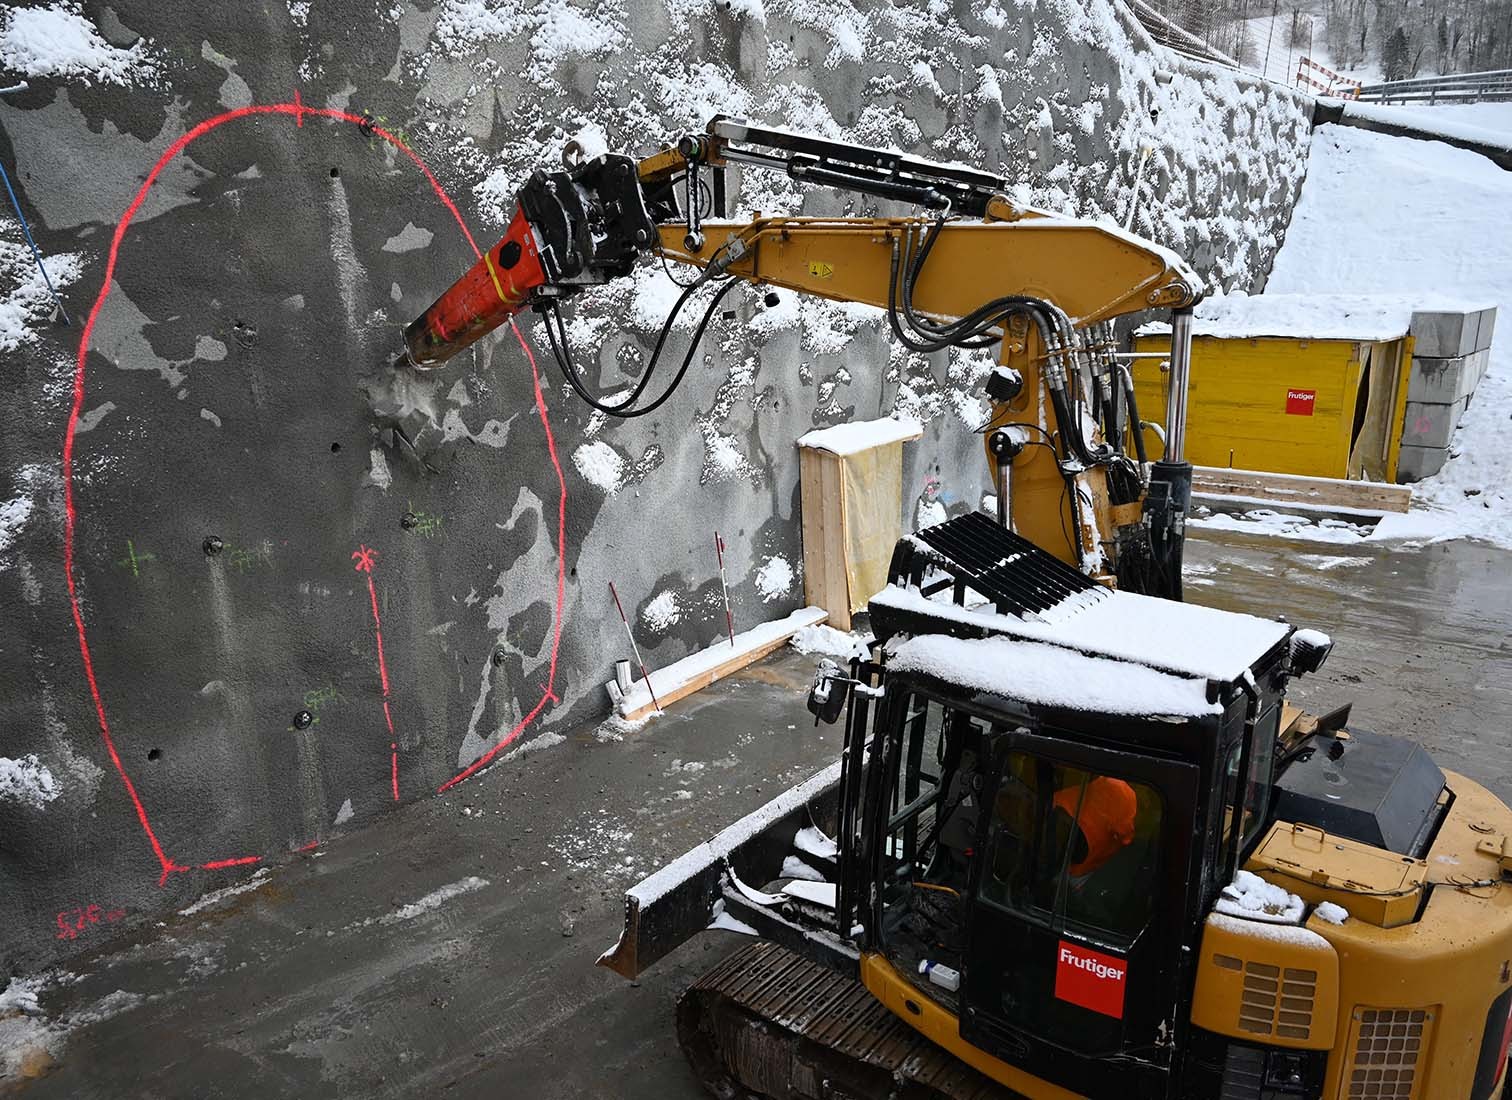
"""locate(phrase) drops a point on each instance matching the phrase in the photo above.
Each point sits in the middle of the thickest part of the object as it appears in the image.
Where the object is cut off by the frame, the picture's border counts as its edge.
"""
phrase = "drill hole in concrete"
(335, 448)
(154, 754)
(335, 173)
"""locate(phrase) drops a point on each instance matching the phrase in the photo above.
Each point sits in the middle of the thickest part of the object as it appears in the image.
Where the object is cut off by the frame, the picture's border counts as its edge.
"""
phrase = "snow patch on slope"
(27, 304)
(27, 781)
(663, 611)
(600, 465)
(59, 41)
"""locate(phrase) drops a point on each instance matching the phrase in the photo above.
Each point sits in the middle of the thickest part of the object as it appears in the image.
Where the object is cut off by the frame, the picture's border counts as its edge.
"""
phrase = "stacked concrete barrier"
(1450, 354)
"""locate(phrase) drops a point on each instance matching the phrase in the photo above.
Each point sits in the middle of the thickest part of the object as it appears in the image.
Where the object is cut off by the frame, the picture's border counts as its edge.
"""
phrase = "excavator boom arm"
(972, 271)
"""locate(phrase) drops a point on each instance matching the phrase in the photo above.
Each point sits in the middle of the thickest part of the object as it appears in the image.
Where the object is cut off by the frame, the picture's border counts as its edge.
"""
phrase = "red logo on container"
(1300, 402)
(1090, 979)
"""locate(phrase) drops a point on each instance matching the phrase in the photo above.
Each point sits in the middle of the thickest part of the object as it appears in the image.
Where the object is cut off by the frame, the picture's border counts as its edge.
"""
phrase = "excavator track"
(767, 1024)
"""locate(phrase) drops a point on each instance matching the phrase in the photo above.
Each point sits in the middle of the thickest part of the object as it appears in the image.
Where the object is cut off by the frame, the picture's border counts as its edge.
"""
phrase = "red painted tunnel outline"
(364, 558)
(299, 111)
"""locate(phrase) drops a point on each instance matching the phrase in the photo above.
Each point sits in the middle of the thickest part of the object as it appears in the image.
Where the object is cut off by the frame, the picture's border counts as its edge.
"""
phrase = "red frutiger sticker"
(1300, 402)
(1090, 979)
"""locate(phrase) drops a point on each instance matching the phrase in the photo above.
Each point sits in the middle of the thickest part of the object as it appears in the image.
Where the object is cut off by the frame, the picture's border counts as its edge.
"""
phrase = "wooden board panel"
(1315, 492)
(812, 508)
(832, 496)
(698, 670)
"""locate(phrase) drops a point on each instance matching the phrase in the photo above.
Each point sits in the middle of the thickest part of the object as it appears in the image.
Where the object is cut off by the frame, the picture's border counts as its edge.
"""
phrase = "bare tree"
(1442, 35)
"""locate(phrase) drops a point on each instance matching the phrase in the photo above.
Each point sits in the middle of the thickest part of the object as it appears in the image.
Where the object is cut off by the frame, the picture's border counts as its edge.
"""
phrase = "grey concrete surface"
(1446, 380)
(238, 385)
(1422, 641)
(313, 984)
(1451, 352)
(1416, 463)
(310, 985)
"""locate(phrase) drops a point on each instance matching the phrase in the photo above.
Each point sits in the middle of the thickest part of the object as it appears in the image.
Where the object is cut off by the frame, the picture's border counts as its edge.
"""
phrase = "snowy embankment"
(1451, 118)
(1445, 123)
(1393, 215)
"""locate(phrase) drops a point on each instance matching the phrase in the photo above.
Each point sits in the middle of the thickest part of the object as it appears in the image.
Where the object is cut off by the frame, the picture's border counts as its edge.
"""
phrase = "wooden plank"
(1317, 492)
(812, 508)
(698, 670)
(836, 587)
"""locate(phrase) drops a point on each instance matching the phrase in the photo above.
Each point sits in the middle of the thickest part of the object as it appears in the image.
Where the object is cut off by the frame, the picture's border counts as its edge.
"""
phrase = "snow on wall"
(59, 41)
(27, 781)
(242, 436)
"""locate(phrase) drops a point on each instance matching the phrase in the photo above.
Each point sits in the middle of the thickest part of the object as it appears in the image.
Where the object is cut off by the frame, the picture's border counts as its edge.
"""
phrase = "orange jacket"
(1106, 819)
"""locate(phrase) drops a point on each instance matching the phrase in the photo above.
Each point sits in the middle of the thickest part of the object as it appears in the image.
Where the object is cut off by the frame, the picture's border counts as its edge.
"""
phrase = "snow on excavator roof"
(1051, 675)
(1185, 639)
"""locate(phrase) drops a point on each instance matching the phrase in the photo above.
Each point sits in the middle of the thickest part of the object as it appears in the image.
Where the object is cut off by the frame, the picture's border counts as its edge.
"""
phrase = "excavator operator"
(1099, 820)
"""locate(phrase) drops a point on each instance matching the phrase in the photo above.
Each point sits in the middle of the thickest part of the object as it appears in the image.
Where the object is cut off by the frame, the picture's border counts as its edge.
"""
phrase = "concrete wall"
(256, 495)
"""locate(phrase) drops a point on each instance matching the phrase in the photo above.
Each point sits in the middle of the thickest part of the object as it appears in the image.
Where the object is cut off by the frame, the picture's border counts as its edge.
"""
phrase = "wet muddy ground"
(447, 951)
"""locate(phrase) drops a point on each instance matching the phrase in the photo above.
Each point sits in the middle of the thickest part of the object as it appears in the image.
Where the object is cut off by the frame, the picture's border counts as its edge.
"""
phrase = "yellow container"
(1317, 407)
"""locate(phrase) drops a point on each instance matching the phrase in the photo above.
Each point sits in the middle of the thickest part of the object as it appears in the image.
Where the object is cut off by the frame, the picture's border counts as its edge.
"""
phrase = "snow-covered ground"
(1449, 124)
(1488, 116)
(1396, 215)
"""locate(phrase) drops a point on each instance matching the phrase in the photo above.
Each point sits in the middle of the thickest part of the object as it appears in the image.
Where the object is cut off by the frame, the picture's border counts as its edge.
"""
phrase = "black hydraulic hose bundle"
(974, 330)
(556, 334)
(924, 334)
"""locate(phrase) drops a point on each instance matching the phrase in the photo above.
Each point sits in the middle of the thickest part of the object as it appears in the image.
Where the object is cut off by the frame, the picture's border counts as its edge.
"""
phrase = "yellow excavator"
(1077, 843)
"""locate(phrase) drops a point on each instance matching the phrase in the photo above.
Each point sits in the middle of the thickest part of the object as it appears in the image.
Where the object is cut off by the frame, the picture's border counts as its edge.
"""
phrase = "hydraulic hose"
(1127, 379)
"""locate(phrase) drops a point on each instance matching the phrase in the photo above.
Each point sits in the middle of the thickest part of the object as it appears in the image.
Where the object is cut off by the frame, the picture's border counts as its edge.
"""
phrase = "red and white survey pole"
(635, 649)
(724, 588)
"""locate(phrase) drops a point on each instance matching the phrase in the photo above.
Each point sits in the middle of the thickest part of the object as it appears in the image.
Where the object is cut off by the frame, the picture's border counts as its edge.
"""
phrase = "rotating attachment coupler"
(571, 229)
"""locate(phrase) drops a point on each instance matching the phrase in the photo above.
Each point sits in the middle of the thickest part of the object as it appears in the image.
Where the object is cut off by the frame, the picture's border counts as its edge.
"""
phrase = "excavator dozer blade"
(670, 906)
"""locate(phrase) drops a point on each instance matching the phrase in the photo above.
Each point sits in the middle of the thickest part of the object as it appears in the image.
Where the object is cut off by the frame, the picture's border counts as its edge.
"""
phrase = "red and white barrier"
(1327, 82)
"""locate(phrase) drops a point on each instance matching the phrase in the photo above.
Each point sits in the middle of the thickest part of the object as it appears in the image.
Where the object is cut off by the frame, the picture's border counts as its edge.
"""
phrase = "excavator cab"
(1043, 826)
(1049, 869)
(1077, 844)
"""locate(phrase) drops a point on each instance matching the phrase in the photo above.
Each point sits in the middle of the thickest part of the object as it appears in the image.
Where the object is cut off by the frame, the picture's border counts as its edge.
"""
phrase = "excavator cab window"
(1073, 941)
(932, 796)
(1248, 782)
(1073, 847)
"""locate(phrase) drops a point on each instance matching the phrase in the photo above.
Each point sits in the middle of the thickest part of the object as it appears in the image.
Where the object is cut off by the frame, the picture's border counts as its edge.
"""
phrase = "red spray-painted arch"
(298, 111)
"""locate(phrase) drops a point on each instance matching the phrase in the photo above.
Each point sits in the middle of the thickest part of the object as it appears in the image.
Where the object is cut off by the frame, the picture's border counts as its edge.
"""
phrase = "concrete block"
(1478, 364)
(1445, 381)
(1430, 425)
(1444, 335)
(1485, 327)
(1416, 463)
